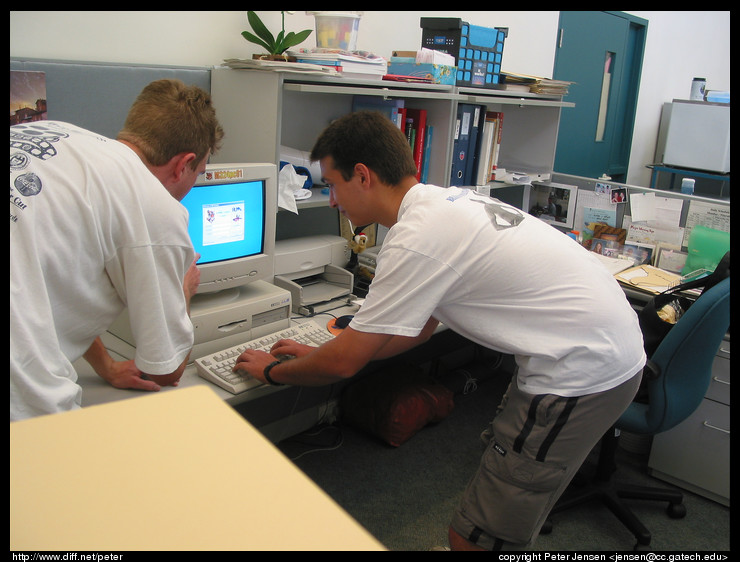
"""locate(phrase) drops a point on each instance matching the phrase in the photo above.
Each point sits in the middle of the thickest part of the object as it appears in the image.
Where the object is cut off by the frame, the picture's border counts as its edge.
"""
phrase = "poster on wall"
(27, 96)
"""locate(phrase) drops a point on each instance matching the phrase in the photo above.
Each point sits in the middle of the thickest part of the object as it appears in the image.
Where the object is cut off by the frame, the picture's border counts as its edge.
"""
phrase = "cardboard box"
(407, 66)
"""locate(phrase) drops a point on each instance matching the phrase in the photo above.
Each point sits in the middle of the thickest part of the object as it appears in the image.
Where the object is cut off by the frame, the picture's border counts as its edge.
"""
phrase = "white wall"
(680, 45)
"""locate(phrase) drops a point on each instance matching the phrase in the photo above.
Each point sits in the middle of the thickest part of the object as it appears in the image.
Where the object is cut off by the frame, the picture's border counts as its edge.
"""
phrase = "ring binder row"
(476, 145)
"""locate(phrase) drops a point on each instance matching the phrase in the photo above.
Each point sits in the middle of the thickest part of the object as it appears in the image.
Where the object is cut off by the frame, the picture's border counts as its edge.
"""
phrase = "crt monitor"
(232, 210)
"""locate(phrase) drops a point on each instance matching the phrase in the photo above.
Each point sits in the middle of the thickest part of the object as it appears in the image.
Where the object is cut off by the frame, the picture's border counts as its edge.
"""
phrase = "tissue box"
(407, 66)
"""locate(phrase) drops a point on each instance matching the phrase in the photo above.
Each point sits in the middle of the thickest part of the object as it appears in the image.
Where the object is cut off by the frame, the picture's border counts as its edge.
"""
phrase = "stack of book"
(412, 121)
(489, 147)
(350, 64)
(536, 84)
(278, 66)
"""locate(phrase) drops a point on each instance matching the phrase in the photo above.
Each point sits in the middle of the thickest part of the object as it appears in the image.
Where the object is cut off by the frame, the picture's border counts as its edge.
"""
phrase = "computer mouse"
(343, 321)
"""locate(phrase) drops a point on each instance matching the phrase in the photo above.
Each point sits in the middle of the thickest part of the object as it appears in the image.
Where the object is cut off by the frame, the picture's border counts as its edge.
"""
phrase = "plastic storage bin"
(478, 51)
(337, 30)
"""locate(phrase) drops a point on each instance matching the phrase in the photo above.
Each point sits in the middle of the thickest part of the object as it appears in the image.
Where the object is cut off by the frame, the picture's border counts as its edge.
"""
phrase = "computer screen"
(232, 224)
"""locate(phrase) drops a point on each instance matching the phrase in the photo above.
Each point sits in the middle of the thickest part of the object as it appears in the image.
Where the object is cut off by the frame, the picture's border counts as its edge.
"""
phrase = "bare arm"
(399, 344)
(335, 360)
(120, 374)
(125, 374)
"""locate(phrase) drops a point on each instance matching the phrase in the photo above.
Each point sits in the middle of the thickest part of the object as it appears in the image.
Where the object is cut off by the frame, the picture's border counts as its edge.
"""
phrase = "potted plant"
(275, 46)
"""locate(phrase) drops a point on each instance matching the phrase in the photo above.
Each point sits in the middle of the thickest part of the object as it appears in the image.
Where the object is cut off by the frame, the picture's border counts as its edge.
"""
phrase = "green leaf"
(279, 43)
(259, 28)
(293, 39)
(256, 40)
(265, 39)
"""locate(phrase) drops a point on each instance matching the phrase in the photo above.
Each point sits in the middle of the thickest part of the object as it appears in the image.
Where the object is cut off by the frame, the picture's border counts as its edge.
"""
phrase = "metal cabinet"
(695, 455)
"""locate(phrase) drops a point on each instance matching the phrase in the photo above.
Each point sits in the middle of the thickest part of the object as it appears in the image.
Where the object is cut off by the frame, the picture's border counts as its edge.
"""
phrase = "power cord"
(471, 383)
(312, 440)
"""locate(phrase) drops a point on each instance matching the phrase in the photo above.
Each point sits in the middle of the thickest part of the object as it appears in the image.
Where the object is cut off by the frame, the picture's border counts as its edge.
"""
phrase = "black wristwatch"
(266, 374)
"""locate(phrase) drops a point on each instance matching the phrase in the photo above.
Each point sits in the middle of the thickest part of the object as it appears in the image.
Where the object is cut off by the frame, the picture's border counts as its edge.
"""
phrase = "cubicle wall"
(97, 96)
(713, 213)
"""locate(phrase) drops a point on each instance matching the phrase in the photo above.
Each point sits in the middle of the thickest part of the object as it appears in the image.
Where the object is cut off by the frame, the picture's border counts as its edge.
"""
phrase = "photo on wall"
(27, 96)
(553, 203)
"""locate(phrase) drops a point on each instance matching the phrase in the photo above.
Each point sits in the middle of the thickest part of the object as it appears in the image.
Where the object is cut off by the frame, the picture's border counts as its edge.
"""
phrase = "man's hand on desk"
(119, 374)
(124, 374)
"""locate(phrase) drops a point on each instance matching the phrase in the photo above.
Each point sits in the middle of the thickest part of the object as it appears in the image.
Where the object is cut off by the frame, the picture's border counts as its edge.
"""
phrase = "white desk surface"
(165, 471)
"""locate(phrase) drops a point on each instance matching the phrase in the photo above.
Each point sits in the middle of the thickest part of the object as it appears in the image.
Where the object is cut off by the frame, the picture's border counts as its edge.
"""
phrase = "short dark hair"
(370, 138)
(169, 118)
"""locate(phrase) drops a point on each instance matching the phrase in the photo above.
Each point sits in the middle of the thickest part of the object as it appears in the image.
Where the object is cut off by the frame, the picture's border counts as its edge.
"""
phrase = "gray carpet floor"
(405, 496)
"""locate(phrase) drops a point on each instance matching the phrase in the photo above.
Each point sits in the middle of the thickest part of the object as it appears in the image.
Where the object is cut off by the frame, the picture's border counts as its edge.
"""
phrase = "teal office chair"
(678, 374)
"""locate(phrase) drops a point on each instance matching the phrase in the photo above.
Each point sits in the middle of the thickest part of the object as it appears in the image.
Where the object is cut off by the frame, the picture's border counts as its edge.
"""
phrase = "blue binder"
(461, 152)
(479, 117)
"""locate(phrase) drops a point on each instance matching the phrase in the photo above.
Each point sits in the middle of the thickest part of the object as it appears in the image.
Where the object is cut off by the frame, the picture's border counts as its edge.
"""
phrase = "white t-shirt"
(91, 232)
(507, 281)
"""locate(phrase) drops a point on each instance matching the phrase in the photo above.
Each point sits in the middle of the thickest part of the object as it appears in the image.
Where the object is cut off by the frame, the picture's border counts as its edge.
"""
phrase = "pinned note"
(642, 206)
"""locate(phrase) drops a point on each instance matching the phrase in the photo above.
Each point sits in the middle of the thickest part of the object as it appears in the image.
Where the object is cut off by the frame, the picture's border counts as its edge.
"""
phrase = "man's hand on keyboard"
(254, 362)
(242, 367)
(291, 347)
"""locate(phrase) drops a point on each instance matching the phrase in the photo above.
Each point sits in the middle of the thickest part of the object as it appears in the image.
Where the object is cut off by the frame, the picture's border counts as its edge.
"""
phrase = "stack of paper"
(614, 265)
(537, 84)
(354, 64)
(433, 56)
(278, 66)
(648, 278)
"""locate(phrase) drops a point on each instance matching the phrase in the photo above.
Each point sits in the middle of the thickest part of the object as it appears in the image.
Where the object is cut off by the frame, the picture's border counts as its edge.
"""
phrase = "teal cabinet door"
(602, 53)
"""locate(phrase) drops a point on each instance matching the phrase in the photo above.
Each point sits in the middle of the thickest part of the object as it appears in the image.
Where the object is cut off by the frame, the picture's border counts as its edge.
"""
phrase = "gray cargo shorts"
(535, 445)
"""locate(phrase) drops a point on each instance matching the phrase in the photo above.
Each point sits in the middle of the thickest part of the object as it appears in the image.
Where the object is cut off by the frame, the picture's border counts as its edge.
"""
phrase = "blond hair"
(169, 118)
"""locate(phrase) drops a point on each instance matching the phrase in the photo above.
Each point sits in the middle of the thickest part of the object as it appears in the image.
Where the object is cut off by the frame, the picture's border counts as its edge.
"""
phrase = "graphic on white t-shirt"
(502, 215)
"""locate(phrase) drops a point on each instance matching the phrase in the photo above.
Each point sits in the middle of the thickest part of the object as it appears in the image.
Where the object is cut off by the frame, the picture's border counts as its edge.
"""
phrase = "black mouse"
(343, 321)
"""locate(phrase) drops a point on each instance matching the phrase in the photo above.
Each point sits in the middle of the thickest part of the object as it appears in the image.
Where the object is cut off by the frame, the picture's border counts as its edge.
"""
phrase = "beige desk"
(166, 471)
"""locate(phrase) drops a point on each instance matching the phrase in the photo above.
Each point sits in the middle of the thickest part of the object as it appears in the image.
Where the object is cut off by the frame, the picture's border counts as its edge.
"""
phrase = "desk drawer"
(719, 387)
(696, 453)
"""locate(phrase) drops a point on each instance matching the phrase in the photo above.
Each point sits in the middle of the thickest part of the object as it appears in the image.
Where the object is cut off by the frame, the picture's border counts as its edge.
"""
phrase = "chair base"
(602, 488)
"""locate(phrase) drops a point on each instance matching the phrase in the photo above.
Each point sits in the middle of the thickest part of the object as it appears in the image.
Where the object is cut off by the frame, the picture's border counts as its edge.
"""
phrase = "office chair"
(678, 375)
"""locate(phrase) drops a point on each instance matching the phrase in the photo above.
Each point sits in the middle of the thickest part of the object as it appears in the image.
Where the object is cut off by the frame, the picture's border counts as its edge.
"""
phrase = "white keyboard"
(217, 367)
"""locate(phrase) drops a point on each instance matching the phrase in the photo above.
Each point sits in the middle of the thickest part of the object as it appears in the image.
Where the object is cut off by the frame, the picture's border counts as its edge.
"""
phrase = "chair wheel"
(676, 510)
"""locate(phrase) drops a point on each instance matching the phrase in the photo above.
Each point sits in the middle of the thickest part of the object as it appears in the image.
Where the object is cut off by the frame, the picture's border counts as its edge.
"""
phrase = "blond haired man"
(96, 226)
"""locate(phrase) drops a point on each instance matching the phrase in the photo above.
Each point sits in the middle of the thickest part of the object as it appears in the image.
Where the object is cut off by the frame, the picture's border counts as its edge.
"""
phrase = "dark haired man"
(501, 278)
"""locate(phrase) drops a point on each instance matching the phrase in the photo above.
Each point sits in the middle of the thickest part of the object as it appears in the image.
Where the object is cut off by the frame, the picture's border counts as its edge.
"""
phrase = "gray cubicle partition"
(589, 184)
(514, 195)
(96, 95)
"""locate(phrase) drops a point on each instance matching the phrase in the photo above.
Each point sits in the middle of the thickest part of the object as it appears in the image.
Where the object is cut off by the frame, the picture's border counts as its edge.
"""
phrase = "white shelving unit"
(262, 110)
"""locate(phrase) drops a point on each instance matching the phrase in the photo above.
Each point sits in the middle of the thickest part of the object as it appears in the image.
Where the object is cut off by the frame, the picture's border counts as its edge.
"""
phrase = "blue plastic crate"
(478, 51)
